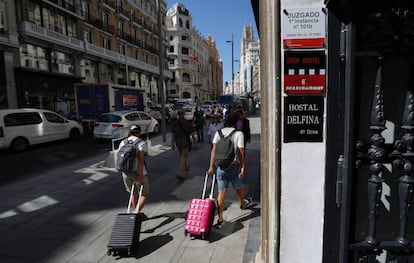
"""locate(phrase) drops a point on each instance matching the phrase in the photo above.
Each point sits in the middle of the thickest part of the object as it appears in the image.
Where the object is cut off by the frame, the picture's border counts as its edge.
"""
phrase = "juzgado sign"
(303, 28)
(304, 73)
(303, 119)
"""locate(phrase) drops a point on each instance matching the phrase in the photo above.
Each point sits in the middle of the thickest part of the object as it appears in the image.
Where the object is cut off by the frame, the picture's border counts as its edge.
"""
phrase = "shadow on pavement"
(233, 225)
(151, 244)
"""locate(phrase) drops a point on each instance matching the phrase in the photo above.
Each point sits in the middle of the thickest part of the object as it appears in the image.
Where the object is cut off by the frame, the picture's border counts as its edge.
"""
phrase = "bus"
(235, 100)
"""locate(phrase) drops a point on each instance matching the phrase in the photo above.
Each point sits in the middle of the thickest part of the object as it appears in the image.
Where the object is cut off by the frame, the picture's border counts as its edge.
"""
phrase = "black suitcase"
(125, 232)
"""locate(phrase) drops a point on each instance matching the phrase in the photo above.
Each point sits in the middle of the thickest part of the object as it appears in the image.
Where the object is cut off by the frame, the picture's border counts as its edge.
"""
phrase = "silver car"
(115, 124)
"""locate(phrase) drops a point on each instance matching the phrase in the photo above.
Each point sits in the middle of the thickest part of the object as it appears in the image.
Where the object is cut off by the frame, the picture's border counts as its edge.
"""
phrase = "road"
(41, 158)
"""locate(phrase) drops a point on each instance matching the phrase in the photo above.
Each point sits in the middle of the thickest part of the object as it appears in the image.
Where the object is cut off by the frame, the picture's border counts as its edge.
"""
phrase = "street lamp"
(232, 62)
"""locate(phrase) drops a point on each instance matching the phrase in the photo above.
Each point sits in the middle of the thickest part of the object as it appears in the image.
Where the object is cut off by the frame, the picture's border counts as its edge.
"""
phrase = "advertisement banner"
(304, 73)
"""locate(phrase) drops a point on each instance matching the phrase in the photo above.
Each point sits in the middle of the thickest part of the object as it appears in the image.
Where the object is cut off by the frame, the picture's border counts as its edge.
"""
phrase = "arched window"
(186, 77)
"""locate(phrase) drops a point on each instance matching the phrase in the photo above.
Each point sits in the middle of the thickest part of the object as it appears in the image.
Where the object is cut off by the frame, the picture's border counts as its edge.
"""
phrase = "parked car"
(109, 125)
(207, 109)
(20, 128)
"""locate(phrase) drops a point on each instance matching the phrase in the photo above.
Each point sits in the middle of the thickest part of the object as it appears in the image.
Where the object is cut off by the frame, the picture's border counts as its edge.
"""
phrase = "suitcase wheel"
(185, 232)
(203, 236)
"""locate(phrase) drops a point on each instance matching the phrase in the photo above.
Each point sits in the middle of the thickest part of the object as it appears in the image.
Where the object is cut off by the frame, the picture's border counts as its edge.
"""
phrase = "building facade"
(247, 78)
(66, 42)
(216, 69)
(9, 46)
(189, 56)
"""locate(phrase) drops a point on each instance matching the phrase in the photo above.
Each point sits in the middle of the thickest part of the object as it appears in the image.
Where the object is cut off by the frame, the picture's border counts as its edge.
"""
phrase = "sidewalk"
(66, 215)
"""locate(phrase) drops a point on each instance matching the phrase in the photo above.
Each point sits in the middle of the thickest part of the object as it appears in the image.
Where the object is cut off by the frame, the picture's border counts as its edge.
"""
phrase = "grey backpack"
(224, 150)
(126, 156)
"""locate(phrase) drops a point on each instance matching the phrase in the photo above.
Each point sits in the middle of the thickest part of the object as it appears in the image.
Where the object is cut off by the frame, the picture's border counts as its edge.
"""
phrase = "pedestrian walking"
(199, 119)
(243, 125)
(139, 174)
(181, 130)
(214, 126)
(229, 165)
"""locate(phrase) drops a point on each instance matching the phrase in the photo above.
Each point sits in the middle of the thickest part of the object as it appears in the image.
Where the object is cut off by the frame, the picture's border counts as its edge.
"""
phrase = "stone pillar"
(271, 128)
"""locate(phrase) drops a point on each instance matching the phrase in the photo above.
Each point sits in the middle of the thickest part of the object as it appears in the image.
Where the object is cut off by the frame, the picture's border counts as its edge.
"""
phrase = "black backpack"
(224, 150)
(126, 156)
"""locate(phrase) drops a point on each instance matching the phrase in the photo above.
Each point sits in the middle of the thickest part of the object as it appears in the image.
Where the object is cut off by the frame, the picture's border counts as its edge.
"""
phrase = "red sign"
(304, 84)
(130, 100)
(304, 73)
(304, 42)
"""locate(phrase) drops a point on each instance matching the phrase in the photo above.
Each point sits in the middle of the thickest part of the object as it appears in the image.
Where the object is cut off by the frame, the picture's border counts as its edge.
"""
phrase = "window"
(88, 70)
(185, 50)
(87, 36)
(104, 17)
(34, 13)
(33, 57)
(24, 118)
(186, 77)
(105, 72)
(180, 22)
(187, 24)
(106, 44)
(172, 49)
(54, 21)
(2, 20)
(185, 38)
(122, 49)
(85, 9)
(62, 63)
(120, 29)
(54, 118)
(135, 54)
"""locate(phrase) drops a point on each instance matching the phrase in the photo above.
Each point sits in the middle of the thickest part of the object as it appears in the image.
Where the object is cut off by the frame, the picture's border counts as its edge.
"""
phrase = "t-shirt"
(238, 138)
(141, 147)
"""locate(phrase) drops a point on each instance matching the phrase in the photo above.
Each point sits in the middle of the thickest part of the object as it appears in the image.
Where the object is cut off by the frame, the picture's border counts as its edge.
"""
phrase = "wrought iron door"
(372, 215)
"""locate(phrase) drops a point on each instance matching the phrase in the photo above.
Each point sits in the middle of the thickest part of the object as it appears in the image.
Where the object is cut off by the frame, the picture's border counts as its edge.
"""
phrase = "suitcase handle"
(130, 197)
(205, 186)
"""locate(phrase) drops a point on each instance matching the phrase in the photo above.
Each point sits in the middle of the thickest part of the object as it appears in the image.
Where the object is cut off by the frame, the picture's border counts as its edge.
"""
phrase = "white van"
(20, 128)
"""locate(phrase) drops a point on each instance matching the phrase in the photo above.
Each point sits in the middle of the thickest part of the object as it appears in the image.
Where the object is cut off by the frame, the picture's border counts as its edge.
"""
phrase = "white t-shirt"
(141, 147)
(238, 138)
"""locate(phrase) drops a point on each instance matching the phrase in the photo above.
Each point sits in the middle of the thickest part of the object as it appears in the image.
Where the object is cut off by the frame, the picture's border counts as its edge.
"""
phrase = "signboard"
(303, 120)
(303, 28)
(304, 73)
(129, 100)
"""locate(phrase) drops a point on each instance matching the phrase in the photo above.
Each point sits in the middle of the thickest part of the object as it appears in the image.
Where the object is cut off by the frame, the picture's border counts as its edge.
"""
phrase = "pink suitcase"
(200, 213)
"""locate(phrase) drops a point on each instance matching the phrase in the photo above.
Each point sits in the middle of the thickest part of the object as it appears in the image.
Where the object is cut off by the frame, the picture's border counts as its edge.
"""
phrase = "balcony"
(99, 23)
(122, 13)
(110, 5)
(42, 33)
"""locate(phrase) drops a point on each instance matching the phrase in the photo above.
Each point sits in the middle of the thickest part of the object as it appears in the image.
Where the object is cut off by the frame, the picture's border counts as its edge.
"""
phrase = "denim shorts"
(229, 174)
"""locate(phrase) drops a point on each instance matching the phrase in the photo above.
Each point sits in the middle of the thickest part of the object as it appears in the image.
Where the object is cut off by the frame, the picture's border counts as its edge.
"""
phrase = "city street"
(66, 212)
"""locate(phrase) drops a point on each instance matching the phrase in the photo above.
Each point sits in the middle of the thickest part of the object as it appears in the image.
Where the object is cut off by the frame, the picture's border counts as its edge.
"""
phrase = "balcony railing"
(39, 32)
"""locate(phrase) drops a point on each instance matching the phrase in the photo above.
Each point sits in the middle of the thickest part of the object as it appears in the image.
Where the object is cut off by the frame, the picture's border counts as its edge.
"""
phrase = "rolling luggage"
(125, 232)
(200, 213)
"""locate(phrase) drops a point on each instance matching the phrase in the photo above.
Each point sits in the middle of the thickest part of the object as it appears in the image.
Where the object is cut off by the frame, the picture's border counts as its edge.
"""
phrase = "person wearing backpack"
(227, 159)
(131, 162)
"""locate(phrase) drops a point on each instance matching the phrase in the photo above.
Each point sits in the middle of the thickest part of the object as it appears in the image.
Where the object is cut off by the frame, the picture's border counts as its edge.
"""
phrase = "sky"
(221, 19)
